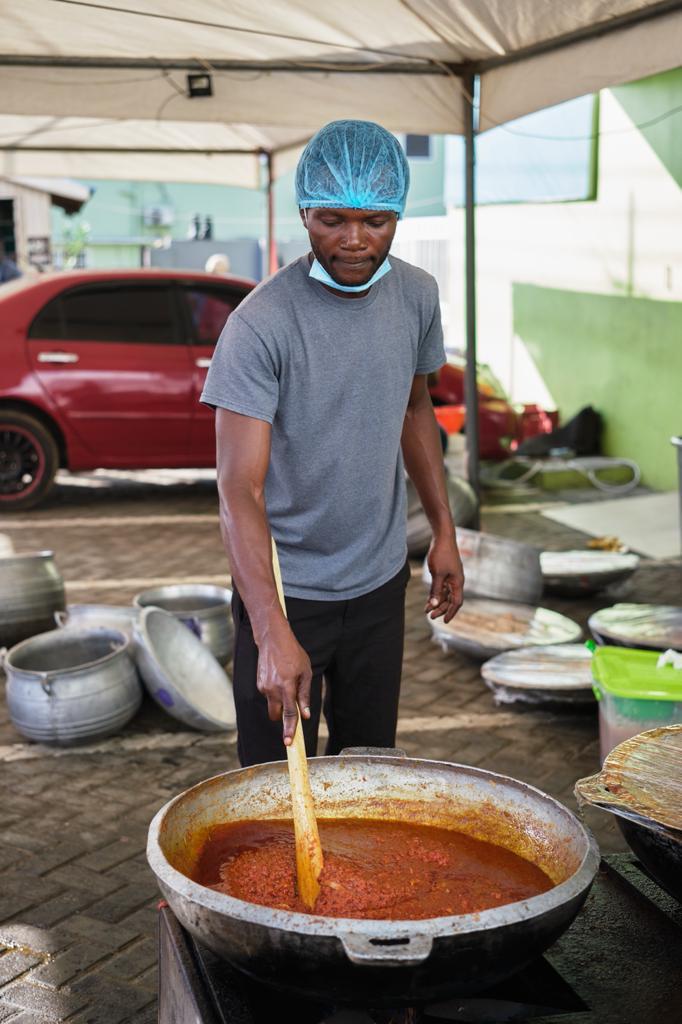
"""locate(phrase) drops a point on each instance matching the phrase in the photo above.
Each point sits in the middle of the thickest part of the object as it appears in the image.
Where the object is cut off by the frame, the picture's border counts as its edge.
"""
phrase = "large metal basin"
(181, 674)
(351, 960)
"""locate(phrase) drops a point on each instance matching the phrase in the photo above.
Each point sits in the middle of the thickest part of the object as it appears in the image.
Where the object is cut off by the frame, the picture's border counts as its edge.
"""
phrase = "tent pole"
(470, 384)
(271, 240)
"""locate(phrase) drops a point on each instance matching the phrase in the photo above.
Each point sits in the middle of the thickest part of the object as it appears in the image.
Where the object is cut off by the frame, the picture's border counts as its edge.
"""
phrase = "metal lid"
(502, 625)
(654, 626)
(548, 667)
(587, 563)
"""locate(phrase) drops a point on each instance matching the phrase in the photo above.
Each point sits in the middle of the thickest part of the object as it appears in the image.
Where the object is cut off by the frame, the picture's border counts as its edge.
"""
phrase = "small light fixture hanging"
(199, 84)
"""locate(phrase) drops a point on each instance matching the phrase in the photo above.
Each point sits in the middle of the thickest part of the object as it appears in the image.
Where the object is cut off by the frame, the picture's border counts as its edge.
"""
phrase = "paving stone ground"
(77, 902)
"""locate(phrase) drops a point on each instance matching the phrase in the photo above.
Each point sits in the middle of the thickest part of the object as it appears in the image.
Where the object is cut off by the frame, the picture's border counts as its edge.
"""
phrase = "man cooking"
(319, 384)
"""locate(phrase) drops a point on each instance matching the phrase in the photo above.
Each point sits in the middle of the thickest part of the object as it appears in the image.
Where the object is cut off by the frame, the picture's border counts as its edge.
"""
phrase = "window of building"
(418, 147)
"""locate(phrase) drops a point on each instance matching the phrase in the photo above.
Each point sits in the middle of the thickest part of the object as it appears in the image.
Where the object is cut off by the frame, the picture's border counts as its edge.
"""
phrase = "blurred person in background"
(218, 263)
(8, 268)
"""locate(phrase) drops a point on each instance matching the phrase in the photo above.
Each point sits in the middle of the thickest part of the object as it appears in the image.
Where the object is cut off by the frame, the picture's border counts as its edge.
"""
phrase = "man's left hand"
(447, 579)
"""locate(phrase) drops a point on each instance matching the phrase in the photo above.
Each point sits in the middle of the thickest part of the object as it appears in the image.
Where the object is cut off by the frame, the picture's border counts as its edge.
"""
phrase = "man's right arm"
(243, 457)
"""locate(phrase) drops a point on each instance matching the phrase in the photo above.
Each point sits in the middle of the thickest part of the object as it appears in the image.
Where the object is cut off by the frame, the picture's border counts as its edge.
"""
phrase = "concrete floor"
(77, 904)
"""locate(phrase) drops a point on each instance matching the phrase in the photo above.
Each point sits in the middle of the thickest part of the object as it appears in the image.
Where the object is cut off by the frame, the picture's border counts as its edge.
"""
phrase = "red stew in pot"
(384, 870)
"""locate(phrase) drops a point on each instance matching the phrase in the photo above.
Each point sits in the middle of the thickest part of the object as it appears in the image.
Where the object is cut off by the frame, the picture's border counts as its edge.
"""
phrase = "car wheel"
(29, 460)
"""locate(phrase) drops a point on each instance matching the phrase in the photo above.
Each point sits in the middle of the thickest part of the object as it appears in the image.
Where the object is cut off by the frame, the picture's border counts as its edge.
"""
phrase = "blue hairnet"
(355, 165)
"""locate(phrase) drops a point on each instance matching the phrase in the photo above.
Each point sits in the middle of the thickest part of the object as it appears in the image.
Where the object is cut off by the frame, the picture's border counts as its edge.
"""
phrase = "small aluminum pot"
(204, 608)
(71, 685)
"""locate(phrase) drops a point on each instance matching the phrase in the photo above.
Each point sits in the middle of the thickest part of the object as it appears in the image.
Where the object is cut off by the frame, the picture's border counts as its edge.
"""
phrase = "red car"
(104, 369)
(501, 425)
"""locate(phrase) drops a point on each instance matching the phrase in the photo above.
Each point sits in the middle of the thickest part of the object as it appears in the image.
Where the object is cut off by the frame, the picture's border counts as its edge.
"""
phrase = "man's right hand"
(284, 677)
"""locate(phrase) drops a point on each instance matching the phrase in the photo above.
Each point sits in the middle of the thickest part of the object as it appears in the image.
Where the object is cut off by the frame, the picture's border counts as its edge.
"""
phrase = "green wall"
(623, 356)
(645, 102)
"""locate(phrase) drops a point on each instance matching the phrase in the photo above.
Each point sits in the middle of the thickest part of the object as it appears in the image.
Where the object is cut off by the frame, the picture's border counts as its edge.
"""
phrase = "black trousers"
(355, 645)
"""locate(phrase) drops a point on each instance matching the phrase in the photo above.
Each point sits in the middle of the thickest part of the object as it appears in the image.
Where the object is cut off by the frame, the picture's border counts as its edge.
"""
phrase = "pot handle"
(373, 752)
(593, 791)
(401, 951)
(61, 618)
(192, 624)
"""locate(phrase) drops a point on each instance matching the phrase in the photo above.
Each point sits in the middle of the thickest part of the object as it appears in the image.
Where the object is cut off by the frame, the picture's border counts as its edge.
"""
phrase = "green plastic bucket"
(634, 695)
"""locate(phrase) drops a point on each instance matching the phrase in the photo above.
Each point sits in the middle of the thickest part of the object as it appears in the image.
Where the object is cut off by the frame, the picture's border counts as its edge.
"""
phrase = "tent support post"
(470, 383)
(270, 238)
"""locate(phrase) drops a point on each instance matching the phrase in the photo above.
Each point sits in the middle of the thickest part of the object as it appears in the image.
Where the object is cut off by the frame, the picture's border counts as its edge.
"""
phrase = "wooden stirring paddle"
(309, 861)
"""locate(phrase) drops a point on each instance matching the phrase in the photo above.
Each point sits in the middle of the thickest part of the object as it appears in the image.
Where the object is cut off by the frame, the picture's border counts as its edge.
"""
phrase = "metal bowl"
(389, 961)
(181, 674)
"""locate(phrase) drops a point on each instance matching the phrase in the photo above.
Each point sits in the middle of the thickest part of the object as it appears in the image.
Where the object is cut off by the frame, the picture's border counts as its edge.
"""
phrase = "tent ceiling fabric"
(206, 152)
(93, 75)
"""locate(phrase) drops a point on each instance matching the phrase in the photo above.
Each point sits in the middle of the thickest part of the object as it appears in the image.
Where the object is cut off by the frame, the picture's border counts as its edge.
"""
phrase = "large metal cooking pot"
(496, 568)
(72, 685)
(351, 960)
(462, 505)
(201, 606)
(640, 785)
(660, 851)
(31, 591)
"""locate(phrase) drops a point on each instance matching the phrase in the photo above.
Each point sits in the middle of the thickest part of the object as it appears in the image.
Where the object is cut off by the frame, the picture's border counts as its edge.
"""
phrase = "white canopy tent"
(94, 88)
(103, 59)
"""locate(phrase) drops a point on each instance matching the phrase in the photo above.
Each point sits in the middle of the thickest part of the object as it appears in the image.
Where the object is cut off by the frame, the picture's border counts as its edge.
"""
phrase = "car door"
(113, 357)
(207, 307)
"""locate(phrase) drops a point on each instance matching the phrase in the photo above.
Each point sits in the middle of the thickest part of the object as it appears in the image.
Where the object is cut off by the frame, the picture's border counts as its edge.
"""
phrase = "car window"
(48, 323)
(209, 308)
(143, 314)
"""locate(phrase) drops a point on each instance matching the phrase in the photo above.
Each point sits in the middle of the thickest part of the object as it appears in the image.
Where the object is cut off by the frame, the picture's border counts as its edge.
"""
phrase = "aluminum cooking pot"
(72, 685)
(99, 616)
(31, 591)
(204, 608)
(350, 960)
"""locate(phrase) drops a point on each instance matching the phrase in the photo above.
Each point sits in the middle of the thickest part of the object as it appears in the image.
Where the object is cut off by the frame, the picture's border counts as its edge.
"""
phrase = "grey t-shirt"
(333, 377)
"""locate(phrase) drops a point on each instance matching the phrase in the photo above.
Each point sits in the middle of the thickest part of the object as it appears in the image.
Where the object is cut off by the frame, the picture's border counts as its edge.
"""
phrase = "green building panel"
(620, 354)
(655, 104)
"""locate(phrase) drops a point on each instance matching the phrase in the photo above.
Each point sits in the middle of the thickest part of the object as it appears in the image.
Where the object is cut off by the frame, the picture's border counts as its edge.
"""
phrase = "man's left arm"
(423, 457)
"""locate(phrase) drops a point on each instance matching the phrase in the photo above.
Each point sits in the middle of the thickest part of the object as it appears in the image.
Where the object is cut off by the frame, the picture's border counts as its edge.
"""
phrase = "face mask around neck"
(318, 273)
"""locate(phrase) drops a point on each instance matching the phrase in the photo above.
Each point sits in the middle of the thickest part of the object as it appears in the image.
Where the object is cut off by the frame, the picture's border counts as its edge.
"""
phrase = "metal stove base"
(619, 963)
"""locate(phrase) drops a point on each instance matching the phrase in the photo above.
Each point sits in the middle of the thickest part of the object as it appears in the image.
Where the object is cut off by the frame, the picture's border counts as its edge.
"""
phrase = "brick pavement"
(77, 905)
